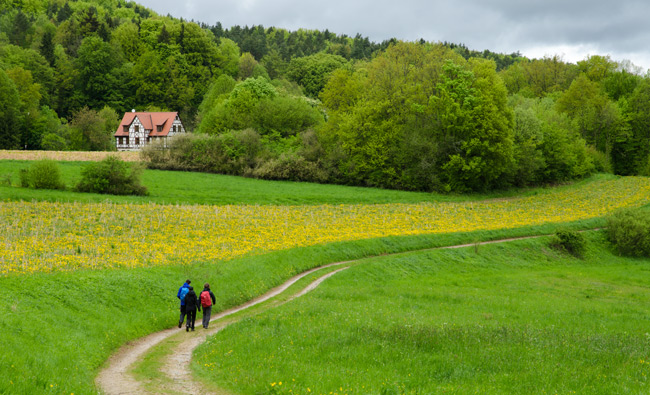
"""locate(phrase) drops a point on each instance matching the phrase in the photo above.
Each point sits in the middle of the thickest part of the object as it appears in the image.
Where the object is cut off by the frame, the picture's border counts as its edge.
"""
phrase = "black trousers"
(182, 317)
(191, 316)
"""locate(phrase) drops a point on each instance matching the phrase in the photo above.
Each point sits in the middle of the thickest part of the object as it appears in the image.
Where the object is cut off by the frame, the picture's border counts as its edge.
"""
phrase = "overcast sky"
(573, 29)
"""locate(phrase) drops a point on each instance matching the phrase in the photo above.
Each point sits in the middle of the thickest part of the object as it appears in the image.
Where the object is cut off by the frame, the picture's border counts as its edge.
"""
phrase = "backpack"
(184, 291)
(206, 300)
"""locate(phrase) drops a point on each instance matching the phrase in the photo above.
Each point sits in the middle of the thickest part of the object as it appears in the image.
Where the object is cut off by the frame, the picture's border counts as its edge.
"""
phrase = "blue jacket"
(182, 291)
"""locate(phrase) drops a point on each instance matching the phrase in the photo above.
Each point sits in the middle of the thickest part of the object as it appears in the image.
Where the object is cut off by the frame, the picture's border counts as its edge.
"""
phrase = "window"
(127, 141)
(148, 139)
(125, 128)
(137, 128)
(120, 142)
(137, 140)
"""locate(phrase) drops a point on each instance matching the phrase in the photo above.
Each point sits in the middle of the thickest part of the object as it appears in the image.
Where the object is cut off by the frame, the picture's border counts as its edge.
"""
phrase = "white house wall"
(142, 135)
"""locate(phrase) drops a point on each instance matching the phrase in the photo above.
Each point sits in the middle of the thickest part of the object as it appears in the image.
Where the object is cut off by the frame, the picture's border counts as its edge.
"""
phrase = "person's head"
(187, 281)
(191, 288)
(206, 286)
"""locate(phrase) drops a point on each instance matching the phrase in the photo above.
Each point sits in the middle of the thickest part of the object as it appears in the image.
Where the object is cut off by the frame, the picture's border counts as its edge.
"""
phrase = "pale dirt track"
(115, 378)
(77, 156)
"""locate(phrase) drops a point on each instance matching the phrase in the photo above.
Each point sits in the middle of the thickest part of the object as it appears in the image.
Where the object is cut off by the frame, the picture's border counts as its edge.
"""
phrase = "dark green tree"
(10, 115)
(47, 47)
(96, 65)
(312, 72)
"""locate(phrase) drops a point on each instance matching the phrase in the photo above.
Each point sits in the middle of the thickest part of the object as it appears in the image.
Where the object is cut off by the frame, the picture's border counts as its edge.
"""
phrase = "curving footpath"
(116, 379)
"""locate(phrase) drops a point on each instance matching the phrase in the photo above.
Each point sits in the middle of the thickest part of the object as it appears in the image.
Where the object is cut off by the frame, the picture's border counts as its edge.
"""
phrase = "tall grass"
(512, 318)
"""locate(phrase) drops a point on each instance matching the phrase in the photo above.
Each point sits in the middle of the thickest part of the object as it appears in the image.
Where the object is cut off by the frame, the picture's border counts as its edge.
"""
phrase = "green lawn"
(508, 318)
(174, 187)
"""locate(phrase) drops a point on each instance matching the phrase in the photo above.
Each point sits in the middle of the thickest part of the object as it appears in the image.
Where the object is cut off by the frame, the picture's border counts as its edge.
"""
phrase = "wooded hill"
(313, 105)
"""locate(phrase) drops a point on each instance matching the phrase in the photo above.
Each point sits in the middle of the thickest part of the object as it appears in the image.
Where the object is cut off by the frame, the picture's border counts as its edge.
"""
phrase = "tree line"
(313, 105)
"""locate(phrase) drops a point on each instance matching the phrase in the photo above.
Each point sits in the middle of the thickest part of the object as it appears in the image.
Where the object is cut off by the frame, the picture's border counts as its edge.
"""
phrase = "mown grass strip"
(176, 187)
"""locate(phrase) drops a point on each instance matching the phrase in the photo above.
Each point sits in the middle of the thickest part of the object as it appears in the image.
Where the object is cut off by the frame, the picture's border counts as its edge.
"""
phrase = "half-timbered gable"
(137, 129)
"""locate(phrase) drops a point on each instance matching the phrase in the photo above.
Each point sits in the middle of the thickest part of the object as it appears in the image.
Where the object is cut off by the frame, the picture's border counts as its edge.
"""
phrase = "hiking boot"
(180, 324)
(187, 329)
(192, 329)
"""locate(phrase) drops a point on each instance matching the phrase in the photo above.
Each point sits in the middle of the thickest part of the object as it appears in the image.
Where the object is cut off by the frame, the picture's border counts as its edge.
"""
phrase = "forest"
(316, 106)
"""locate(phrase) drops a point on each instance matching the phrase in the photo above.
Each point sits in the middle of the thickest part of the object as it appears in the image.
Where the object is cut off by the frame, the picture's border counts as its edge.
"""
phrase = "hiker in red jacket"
(191, 304)
(207, 300)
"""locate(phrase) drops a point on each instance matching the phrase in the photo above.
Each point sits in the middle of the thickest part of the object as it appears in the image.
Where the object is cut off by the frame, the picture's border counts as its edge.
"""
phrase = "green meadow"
(516, 317)
(522, 300)
(177, 187)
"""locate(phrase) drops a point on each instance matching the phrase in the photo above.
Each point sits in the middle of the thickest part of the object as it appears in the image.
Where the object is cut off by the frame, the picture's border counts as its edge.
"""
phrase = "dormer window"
(159, 128)
(126, 128)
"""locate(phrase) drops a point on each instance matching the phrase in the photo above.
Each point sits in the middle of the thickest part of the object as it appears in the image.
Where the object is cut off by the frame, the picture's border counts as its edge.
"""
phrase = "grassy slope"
(172, 187)
(508, 318)
(60, 328)
(57, 329)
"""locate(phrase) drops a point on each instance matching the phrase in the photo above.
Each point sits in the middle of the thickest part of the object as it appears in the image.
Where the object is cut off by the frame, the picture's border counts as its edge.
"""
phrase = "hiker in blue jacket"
(182, 291)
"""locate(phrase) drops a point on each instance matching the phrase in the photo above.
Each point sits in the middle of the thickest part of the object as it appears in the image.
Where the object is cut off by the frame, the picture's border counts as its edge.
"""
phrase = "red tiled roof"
(150, 121)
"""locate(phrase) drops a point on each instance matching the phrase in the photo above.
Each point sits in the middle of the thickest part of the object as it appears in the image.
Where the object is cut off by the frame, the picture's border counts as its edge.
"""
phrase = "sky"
(573, 29)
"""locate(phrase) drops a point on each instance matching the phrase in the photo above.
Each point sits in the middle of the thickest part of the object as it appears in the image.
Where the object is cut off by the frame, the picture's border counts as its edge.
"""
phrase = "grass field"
(175, 187)
(509, 318)
(53, 236)
(62, 317)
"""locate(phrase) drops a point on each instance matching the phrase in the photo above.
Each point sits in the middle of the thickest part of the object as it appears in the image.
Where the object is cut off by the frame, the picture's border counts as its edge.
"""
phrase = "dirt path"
(116, 379)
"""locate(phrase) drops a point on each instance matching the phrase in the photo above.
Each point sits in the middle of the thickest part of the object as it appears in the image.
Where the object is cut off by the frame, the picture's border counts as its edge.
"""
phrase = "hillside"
(316, 106)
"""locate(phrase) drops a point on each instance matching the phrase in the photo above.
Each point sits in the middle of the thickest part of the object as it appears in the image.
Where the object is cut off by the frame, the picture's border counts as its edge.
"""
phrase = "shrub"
(291, 167)
(42, 174)
(570, 241)
(601, 161)
(111, 176)
(6, 179)
(629, 232)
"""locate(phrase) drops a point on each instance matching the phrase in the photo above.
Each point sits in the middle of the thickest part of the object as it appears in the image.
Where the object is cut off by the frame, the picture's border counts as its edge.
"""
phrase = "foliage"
(629, 232)
(42, 174)
(255, 103)
(93, 130)
(416, 120)
(570, 241)
(447, 130)
(291, 167)
(10, 116)
(547, 147)
(111, 176)
(312, 72)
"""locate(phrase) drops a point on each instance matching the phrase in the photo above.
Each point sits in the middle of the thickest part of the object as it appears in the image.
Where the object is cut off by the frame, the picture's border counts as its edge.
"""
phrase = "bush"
(570, 241)
(629, 232)
(291, 167)
(111, 176)
(601, 161)
(42, 174)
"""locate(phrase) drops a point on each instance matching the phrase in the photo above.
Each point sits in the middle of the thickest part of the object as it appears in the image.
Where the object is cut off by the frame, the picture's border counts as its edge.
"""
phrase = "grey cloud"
(498, 25)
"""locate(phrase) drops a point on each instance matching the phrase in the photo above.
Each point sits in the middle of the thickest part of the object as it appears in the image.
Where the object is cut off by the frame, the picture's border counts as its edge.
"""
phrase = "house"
(140, 128)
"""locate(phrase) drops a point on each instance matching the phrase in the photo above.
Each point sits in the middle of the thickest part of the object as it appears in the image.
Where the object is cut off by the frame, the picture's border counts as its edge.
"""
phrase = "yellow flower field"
(43, 236)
